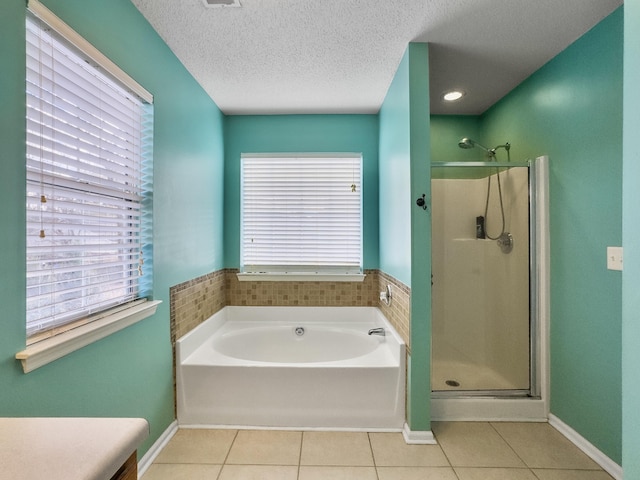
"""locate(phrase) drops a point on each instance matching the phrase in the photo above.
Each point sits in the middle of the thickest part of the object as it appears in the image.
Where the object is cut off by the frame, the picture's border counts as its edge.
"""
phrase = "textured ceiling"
(340, 56)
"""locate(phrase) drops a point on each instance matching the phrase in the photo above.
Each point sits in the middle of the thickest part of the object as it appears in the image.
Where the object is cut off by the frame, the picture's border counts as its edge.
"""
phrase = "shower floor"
(468, 376)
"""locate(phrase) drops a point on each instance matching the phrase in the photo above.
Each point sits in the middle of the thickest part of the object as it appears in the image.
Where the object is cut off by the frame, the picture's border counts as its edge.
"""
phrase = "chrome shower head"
(467, 143)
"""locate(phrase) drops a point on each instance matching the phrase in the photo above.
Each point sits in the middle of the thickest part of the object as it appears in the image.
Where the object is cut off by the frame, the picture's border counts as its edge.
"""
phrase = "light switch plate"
(614, 258)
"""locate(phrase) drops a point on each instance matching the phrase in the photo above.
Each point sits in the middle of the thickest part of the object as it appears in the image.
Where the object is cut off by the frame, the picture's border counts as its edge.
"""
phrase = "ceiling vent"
(221, 3)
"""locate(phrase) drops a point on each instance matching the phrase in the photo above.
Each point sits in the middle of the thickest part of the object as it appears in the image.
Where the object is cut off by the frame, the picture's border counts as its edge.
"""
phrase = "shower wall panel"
(480, 294)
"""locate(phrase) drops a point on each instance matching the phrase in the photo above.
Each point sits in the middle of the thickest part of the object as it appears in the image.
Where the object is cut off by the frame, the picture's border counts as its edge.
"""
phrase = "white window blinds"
(301, 213)
(89, 143)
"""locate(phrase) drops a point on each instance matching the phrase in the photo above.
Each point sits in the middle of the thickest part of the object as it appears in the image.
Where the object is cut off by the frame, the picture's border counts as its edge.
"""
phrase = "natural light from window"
(301, 213)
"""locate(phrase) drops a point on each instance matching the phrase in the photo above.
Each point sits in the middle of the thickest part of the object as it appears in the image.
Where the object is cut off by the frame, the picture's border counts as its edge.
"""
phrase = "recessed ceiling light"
(453, 95)
(221, 3)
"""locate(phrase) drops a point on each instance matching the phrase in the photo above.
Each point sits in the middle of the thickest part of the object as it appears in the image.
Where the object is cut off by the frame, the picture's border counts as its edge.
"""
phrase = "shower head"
(467, 143)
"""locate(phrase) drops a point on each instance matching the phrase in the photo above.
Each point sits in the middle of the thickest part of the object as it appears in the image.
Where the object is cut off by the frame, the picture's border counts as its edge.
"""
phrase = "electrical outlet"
(614, 258)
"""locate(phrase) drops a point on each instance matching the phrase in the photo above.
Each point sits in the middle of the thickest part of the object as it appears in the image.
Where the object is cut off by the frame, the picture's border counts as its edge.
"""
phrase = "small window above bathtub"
(301, 216)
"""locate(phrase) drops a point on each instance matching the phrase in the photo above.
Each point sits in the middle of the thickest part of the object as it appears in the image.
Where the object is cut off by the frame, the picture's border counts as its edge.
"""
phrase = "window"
(301, 214)
(89, 138)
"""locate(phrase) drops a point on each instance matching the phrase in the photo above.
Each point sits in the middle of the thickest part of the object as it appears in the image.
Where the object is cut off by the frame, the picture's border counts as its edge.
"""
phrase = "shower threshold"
(481, 393)
(494, 406)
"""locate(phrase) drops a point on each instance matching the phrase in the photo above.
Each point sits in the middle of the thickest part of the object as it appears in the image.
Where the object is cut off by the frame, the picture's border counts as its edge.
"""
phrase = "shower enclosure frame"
(515, 405)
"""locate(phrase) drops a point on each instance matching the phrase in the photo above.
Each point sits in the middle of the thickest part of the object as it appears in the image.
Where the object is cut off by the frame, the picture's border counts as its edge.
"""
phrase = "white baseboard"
(148, 458)
(418, 437)
(611, 467)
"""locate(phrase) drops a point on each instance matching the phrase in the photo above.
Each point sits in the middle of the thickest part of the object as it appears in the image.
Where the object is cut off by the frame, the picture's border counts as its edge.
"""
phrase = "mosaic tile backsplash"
(308, 294)
(192, 302)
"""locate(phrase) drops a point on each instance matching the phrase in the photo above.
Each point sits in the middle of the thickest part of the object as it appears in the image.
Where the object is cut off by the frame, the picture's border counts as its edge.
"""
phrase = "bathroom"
(571, 110)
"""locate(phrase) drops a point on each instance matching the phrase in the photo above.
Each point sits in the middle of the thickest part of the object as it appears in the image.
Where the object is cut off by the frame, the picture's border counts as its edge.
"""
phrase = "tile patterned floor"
(465, 451)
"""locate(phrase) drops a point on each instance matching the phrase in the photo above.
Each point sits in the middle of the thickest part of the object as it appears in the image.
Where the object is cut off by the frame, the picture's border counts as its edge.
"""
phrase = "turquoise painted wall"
(631, 244)
(405, 229)
(301, 133)
(128, 373)
(395, 176)
(419, 412)
(571, 110)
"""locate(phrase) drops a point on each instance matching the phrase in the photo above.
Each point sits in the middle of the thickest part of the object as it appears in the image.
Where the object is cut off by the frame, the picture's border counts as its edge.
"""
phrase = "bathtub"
(292, 367)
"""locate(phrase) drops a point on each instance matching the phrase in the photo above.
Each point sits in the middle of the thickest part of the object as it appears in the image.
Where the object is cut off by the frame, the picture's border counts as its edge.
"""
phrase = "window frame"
(351, 270)
(50, 344)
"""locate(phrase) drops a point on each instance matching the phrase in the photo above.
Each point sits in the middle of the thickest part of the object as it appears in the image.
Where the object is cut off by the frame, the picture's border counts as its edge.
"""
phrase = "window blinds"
(88, 154)
(301, 213)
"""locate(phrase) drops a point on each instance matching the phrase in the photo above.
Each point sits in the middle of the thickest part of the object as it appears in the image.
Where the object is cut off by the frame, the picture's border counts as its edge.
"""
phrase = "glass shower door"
(480, 293)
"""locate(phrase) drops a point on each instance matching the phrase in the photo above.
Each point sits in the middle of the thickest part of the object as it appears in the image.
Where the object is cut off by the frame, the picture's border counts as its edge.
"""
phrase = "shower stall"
(488, 288)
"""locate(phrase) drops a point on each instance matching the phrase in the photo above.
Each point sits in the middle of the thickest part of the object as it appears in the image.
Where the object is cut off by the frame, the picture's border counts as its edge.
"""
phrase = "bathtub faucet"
(377, 331)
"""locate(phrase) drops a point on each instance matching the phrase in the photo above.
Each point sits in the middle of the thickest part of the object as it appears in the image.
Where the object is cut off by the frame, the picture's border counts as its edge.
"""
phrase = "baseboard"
(418, 437)
(148, 458)
(611, 467)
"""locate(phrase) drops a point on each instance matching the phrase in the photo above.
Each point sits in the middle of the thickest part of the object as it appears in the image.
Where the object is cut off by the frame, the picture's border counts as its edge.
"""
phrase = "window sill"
(300, 277)
(46, 351)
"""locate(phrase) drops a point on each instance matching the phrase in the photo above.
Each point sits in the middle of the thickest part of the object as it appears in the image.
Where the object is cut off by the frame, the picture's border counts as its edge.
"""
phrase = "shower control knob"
(421, 202)
(505, 242)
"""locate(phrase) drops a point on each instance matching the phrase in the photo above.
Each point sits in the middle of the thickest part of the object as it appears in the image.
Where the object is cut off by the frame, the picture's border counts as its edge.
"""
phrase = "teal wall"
(419, 412)
(631, 244)
(571, 110)
(405, 229)
(395, 175)
(301, 133)
(130, 372)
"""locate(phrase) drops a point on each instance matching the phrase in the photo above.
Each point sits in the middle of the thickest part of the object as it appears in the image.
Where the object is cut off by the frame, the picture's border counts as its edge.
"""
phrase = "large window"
(301, 213)
(89, 140)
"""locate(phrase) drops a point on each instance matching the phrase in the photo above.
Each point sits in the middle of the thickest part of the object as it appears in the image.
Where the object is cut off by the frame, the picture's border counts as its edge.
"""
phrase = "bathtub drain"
(299, 331)
(452, 383)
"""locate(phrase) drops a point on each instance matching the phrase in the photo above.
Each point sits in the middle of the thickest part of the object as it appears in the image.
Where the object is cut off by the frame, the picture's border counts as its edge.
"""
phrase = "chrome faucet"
(377, 331)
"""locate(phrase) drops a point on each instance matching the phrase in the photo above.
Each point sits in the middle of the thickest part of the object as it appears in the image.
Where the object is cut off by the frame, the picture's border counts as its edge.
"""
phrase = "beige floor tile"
(469, 473)
(258, 472)
(336, 448)
(265, 447)
(542, 446)
(474, 444)
(172, 471)
(197, 446)
(416, 473)
(390, 450)
(337, 473)
(572, 474)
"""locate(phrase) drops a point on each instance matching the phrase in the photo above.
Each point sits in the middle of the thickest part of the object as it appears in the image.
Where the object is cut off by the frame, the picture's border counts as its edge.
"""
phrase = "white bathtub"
(246, 366)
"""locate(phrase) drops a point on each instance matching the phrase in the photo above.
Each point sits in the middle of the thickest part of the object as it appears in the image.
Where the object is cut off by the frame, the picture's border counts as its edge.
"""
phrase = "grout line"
(511, 447)
(373, 456)
(443, 451)
(300, 455)
(226, 457)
